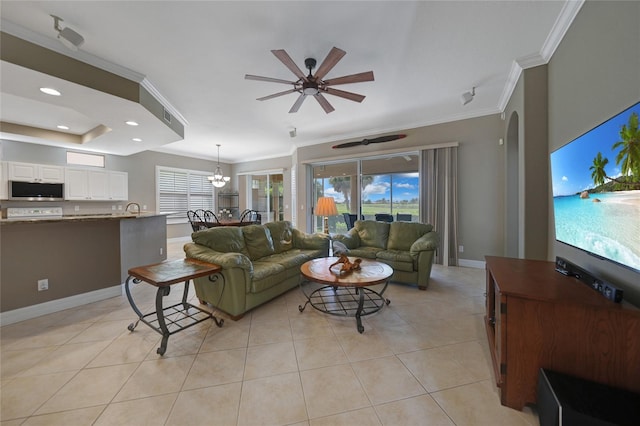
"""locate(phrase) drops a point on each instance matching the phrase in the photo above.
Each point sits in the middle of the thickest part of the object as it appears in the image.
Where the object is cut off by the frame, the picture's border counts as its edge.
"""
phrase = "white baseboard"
(40, 309)
(479, 264)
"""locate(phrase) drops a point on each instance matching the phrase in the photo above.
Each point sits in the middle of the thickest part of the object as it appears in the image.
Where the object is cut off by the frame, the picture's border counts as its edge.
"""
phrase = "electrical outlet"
(461, 249)
(43, 284)
(144, 207)
(120, 207)
(161, 250)
(76, 208)
(113, 207)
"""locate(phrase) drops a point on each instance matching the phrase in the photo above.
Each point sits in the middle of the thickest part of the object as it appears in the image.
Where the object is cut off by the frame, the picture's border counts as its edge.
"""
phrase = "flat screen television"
(596, 190)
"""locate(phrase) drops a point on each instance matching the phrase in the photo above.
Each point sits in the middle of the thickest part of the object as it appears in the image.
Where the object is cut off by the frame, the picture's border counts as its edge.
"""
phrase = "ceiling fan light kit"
(70, 38)
(314, 85)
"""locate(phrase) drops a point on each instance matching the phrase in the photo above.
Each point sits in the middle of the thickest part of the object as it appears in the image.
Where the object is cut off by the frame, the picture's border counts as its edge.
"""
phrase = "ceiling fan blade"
(296, 105)
(324, 103)
(365, 142)
(288, 62)
(353, 78)
(275, 95)
(329, 62)
(347, 95)
(269, 79)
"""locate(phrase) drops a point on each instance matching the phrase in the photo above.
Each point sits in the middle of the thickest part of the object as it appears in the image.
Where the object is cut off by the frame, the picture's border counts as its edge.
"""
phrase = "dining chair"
(405, 217)
(384, 217)
(210, 219)
(195, 220)
(349, 219)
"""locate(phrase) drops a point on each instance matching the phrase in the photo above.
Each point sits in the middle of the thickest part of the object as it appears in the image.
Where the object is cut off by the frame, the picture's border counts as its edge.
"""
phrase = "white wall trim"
(28, 312)
(467, 263)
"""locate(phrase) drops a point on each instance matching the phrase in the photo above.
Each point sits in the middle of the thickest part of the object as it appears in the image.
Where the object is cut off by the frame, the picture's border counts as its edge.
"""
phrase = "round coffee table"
(346, 294)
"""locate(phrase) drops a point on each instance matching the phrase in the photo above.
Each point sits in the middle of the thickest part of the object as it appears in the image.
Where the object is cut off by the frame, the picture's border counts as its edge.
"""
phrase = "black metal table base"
(171, 319)
(346, 301)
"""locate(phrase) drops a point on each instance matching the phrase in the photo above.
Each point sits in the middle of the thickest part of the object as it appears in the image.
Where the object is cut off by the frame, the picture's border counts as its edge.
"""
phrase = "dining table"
(226, 222)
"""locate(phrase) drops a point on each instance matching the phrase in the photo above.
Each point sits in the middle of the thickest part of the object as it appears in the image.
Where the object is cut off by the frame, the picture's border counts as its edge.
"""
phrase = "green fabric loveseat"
(259, 262)
(408, 247)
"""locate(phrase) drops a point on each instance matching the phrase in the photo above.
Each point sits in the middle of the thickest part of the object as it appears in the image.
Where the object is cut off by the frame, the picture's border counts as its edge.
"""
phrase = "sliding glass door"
(386, 185)
(390, 188)
(267, 196)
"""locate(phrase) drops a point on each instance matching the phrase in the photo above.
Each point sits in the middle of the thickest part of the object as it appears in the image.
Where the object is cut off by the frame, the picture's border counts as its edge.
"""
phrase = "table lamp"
(326, 206)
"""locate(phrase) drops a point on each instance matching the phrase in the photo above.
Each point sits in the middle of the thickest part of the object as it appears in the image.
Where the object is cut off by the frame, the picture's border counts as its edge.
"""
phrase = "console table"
(177, 317)
(538, 318)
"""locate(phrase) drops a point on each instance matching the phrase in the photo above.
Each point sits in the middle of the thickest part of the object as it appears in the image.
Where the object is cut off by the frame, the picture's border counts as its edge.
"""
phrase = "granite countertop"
(83, 217)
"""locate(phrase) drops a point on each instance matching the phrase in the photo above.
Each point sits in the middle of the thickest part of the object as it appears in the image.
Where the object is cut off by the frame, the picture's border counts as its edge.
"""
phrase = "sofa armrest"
(226, 260)
(351, 239)
(428, 241)
(315, 241)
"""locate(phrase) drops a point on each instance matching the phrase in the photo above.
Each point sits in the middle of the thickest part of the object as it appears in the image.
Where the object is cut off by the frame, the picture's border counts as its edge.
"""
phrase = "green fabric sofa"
(259, 262)
(408, 247)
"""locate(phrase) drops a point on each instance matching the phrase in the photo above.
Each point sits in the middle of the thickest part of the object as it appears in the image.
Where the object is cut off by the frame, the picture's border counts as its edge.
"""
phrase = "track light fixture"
(67, 36)
(468, 96)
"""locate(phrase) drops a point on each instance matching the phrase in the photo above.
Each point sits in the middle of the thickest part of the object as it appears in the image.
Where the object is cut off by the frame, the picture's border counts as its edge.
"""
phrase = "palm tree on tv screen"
(629, 156)
(598, 174)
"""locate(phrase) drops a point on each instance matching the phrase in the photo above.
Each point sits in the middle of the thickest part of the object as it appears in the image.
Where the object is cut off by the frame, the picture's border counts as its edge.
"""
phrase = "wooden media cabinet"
(538, 318)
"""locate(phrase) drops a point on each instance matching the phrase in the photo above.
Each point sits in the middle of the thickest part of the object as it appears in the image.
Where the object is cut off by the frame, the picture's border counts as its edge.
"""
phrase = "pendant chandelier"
(218, 179)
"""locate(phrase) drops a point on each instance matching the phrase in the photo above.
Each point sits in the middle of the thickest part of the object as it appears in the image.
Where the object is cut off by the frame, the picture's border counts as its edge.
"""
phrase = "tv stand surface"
(538, 318)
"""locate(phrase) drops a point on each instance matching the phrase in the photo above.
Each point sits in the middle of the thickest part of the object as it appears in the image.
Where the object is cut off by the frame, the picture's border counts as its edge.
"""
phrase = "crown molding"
(568, 13)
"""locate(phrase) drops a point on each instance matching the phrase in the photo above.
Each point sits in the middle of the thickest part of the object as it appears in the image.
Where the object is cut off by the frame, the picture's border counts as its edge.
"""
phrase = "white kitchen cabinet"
(76, 185)
(118, 186)
(4, 181)
(96, 185)
(29, 172)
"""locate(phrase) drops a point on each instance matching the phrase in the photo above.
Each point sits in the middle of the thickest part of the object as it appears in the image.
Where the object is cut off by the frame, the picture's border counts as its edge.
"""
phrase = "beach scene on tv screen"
(596, 190)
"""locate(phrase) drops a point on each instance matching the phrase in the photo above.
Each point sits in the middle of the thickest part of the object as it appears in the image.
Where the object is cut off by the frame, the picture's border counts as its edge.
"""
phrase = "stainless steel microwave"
(36, 191)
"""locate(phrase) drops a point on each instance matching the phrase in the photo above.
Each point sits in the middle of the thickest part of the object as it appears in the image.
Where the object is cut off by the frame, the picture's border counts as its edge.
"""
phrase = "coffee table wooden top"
(371, 272)
(174, 271)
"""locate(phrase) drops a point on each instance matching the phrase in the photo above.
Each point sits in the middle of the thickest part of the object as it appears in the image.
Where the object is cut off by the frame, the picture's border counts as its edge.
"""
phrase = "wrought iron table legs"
(346, 301)
(172, 319)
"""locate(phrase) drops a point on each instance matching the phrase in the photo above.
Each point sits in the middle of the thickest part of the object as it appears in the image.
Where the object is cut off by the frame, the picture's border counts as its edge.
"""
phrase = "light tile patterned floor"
(422, 360)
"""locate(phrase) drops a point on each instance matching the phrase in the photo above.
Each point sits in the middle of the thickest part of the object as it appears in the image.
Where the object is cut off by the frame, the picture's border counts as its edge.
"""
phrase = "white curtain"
(439, 200)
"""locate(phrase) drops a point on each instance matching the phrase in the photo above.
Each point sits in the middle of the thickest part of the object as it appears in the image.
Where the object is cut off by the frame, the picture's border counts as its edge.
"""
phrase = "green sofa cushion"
(365, 252)
(258, 240)
(266, 275)
(223, 239)
(403, 234)
(281, 235)
(397, 259)
(372, 233)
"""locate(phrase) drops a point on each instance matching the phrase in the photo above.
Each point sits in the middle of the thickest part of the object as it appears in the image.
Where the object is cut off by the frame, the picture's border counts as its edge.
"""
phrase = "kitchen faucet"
(126, 209)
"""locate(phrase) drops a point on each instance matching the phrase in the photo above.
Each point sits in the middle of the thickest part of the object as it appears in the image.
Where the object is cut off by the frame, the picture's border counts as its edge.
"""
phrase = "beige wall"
(593, 75)
(480, 177)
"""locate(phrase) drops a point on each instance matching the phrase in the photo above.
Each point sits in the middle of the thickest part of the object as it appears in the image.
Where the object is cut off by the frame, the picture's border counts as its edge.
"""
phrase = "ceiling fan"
(314, 85)
(388, 138)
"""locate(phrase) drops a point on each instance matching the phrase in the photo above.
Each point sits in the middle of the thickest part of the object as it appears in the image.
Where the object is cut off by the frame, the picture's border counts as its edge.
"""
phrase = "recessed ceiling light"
(131, 123)
(61, 127)
(50, 91)
(136, 140)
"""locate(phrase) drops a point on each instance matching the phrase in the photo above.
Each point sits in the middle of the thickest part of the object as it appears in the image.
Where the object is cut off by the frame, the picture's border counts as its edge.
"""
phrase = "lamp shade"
(326, 206)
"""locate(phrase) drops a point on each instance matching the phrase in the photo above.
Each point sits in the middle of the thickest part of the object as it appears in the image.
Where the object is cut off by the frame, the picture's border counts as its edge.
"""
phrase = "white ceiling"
(424, 55)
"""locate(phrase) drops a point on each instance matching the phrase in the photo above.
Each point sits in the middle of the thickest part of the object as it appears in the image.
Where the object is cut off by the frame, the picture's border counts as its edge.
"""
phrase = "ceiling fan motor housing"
(310, 64)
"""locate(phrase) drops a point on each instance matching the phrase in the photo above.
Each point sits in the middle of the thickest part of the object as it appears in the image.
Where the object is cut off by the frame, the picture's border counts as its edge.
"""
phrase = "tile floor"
(422, 360)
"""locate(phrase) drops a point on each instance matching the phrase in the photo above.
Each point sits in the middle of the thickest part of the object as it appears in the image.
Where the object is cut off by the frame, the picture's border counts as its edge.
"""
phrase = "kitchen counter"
(81, 217)
(85, 258)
